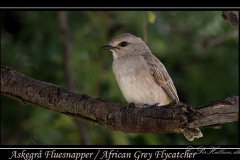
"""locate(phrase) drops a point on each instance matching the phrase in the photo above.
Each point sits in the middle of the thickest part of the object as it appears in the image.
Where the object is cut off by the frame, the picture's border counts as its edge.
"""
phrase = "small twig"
(67, 43)
(213, 41)
(144, 26)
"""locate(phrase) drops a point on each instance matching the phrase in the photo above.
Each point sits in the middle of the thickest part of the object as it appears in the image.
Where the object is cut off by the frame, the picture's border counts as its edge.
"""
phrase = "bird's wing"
(161, 76)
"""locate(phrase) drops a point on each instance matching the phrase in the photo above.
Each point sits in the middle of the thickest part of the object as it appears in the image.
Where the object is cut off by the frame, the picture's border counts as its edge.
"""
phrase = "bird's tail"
(191, 133)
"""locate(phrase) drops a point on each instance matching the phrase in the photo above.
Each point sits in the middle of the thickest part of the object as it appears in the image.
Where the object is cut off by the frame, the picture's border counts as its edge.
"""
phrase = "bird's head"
(126, 44)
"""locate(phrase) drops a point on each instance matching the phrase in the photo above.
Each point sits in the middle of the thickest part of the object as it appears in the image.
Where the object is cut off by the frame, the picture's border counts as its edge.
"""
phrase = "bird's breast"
(128, 66)
(136, 82)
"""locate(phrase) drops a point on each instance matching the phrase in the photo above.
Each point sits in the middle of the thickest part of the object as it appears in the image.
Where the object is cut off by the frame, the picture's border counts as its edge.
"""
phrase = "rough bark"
(166, 119)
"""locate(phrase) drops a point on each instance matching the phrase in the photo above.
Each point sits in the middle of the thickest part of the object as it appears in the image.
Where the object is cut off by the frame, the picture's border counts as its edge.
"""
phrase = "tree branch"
(232, 17)
(165, 119)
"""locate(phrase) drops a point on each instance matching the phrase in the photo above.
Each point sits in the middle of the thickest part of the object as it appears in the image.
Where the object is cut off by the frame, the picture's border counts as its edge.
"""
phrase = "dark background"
(198, 48)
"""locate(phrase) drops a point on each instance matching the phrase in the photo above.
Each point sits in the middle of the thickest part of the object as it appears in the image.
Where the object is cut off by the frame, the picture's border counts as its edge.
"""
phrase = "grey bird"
(142, 78)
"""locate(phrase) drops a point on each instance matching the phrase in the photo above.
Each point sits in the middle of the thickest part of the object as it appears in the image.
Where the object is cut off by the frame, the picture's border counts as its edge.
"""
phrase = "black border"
(33, 5)
(110, 4)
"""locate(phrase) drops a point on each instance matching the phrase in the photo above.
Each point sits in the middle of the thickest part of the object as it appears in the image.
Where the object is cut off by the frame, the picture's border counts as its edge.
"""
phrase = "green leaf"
(151, 17)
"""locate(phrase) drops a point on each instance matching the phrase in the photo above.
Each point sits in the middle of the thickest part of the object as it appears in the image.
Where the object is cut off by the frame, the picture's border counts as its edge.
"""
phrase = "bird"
(141, 77)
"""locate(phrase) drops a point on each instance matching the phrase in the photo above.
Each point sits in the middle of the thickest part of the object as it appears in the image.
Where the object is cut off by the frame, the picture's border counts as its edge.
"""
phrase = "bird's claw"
(130, 105)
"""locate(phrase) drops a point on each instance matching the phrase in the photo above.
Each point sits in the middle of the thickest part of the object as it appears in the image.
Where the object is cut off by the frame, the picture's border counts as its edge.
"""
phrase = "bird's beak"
(108, 47)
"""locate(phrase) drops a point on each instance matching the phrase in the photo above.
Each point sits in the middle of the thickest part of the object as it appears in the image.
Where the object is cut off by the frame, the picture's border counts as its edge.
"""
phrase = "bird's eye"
(123, 44)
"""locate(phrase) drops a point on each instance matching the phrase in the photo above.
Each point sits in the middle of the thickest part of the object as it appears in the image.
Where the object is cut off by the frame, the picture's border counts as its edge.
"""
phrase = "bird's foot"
(150, 106)
(146, 106)
(130, 105)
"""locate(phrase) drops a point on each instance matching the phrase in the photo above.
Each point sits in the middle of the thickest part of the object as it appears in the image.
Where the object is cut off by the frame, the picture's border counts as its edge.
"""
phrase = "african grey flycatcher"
(142, 78)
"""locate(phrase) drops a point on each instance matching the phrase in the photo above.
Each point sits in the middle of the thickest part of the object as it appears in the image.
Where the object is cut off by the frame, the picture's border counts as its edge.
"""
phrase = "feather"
(160, 75)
